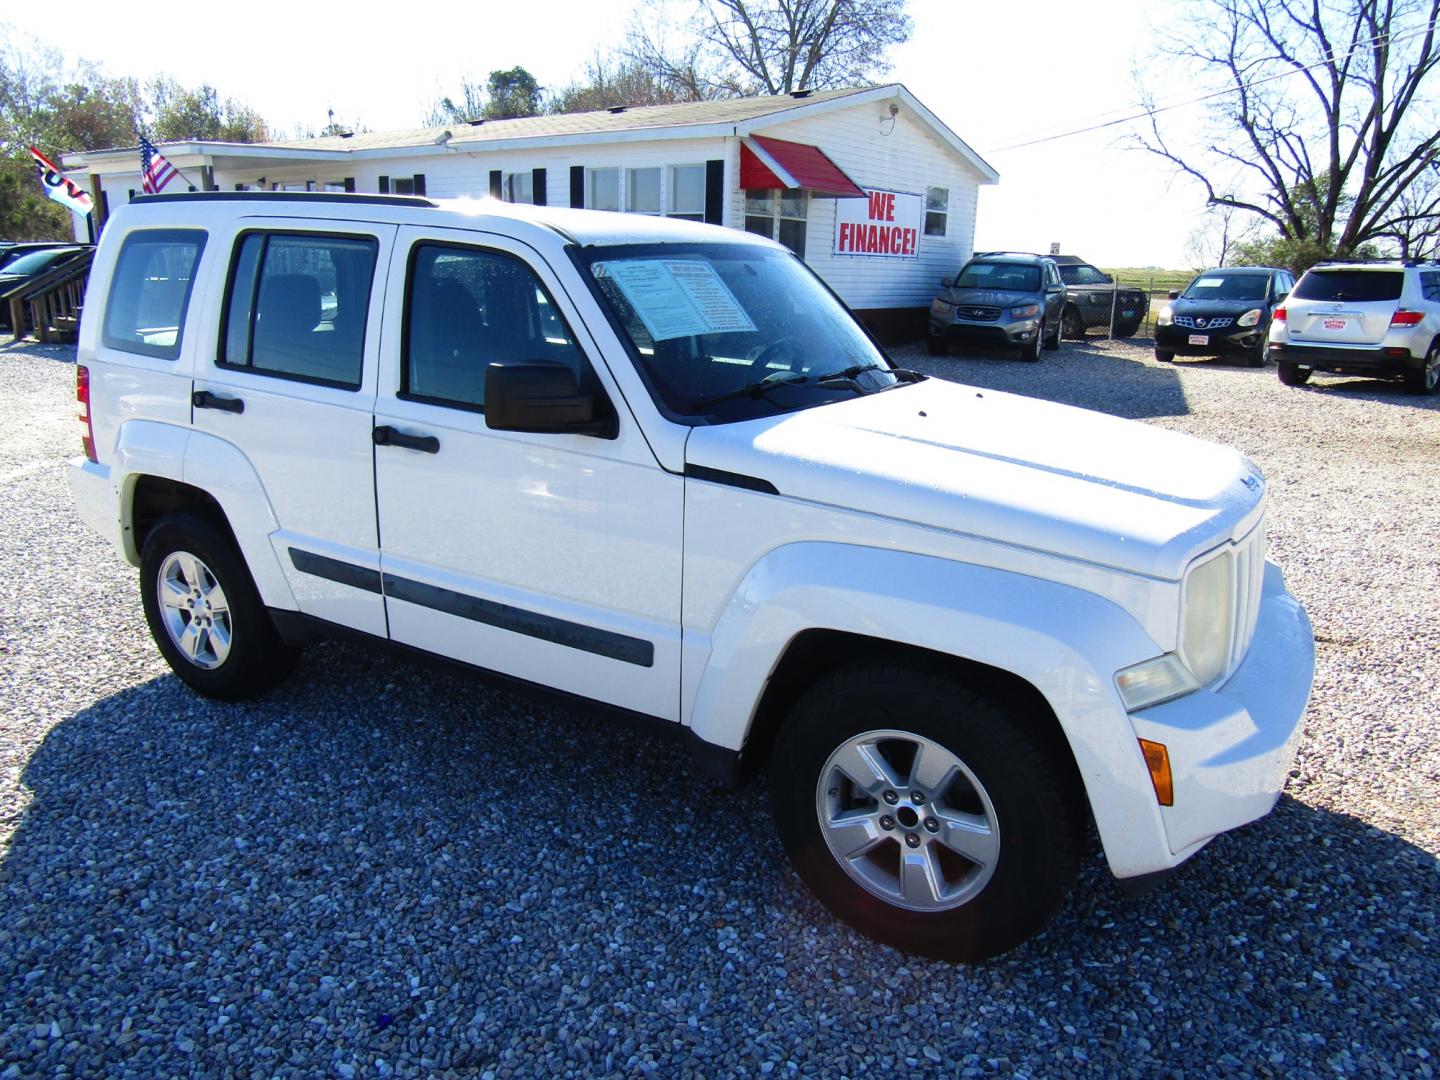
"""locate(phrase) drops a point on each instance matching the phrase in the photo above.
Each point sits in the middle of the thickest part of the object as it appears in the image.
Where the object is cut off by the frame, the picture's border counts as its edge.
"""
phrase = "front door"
(553, 558)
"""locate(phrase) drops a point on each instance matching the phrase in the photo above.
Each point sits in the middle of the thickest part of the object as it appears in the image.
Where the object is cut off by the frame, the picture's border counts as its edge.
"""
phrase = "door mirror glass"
(543, 398)
(1174, 294)
(946, 282)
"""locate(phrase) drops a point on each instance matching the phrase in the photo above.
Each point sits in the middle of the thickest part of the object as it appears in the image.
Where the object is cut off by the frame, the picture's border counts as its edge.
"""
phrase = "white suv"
(656, 465)
(1375, 319)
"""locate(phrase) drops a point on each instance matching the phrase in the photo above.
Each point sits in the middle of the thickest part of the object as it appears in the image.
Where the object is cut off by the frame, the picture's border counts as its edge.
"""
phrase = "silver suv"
(1375, 319)
(1004, 298)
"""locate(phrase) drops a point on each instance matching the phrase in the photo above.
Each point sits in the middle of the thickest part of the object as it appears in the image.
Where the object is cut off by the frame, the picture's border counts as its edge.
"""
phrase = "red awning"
(788, 166)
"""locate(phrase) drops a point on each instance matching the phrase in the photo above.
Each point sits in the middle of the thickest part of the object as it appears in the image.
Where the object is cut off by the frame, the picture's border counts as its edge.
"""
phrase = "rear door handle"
(385, 435)
(204, 399)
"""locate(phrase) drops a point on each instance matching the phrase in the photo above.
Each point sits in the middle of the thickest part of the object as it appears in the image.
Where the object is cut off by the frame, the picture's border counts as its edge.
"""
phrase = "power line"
(1155, 111)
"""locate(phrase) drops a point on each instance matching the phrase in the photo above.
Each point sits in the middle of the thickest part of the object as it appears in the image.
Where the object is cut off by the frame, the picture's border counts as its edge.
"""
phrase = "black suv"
(1005, 298)
(1091, 298)
(1223, 312)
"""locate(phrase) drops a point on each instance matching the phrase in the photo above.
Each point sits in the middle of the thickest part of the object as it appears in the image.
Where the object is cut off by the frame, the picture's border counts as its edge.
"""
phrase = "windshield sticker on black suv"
(678, 298)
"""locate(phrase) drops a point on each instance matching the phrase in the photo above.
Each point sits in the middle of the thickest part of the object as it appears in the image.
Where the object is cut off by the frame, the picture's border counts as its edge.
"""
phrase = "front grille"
(1249, 584)
(977, 314)
(1217, 323)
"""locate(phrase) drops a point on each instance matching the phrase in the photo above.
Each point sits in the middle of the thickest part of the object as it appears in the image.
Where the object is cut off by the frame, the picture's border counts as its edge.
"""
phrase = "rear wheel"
(1293, 374)
(1427, 379)
(205, 614)
(924, 814)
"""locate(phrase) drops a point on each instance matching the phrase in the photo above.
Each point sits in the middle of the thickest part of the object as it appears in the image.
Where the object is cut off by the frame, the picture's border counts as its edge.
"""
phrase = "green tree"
(512, 93)
(178, 114)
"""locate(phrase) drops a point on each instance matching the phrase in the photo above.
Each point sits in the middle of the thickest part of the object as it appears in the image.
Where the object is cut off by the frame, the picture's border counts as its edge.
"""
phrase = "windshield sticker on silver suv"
(678, 297)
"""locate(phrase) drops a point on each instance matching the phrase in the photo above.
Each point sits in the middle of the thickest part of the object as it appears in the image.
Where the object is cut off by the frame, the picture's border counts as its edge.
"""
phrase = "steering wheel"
(787, 351)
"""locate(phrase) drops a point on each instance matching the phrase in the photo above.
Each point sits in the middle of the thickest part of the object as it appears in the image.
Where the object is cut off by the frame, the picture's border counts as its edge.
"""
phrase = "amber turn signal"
(1157, 759)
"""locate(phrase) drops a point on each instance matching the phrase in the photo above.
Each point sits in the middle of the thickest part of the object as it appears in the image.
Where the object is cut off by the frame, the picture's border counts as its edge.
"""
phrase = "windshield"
(1011, 277)
(36, 260)
(1082, 274)
(1219, 286)
(733, 331)
(1357, 285)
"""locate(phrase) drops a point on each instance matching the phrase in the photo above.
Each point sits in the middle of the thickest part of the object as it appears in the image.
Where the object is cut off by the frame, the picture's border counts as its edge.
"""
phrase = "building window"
(642, 190)
(778, 215)
(937, 210)
(687, 192)
(402, 185)
(519, 187)
(602, 189)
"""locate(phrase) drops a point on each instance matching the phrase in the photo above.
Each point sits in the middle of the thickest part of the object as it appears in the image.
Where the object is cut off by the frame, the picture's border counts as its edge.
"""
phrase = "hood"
(1124, 290)
(1063, 480)
(992, 297)
(1205, 306)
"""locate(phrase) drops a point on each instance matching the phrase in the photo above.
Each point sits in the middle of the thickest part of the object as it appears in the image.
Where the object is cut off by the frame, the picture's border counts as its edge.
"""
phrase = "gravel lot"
(379, 870)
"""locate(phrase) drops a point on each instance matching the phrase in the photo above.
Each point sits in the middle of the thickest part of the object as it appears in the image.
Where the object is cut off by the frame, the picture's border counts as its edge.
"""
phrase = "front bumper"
(999, 334)
(1385, 361)
(1096, 308)
(1231, 339)
(1232, 746)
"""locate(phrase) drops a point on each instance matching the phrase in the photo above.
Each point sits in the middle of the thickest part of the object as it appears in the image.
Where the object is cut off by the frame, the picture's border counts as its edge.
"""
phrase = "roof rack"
(288, 196)
(1027, 254)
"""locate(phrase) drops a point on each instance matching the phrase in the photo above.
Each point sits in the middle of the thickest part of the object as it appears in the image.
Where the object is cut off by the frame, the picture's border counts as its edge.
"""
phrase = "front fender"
(1065, 642)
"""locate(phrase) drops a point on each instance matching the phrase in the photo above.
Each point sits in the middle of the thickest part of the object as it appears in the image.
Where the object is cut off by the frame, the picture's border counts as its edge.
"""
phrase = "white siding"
(908, 159)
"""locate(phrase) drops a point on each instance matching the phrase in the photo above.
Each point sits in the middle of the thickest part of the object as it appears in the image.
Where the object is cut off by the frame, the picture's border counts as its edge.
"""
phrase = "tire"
(205, 614)
(1427, 379)
(1258, 356)
(1072, 324)
(1030, 350)
(1165, 356)
(1006, 776)
(936, 346)
(1292, 374)
(1127, 329)
(1052, 340)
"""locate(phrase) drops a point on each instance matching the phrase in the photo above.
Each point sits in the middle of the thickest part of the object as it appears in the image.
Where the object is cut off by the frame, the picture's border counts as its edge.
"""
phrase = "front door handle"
(385, 435)
(204, 399)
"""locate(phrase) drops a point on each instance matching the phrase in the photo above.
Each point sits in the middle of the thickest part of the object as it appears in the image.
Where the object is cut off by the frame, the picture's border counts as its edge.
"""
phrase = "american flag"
(155, 171)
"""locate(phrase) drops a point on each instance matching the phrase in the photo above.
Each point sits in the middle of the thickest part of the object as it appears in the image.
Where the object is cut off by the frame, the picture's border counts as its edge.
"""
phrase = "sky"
(997, 74)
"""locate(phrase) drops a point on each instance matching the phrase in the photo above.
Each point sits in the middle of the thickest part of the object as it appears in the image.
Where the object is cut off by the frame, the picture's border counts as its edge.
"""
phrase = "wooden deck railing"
(49, 305)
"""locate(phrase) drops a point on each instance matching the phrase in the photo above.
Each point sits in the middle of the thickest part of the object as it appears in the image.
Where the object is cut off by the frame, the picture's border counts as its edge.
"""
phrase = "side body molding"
(147, 448)
(1065, 642)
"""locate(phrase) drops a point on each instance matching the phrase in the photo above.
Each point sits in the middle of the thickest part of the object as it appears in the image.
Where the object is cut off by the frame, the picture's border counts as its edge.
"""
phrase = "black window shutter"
(715, 192)
(132, 192)
(537, 185)
(495, 183)
(419, 183)
(384, 185)
(577, 185)
(350, 184)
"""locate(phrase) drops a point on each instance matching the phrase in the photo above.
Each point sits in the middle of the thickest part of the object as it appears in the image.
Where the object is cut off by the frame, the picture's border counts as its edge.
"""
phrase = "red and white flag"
(59, 187)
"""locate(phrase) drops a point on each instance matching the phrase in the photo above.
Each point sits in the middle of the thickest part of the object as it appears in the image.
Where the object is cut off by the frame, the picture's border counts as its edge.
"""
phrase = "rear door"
(1344, 306)
(290, 380)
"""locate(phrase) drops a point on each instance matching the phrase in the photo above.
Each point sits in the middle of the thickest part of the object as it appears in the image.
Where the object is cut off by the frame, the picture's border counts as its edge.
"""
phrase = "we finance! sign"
(884, 224)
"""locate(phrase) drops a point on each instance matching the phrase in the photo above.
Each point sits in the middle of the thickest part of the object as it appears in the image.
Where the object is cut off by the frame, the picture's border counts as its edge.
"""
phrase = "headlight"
(1207, 618)
(1029, 311)
(940, 307)
(1154, 681)
(1166, 316)
(1250, 318)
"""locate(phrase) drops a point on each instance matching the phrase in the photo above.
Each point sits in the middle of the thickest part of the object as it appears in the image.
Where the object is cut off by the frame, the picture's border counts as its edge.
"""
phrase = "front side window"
(687, 192)
(297, 306)
(727, 332)
(150, 291)
(602, 189)
(937, 210)
(643, 191)
(467, 309)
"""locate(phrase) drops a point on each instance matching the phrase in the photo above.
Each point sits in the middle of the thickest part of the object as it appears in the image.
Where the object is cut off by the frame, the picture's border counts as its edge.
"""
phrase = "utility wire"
(1156, 110)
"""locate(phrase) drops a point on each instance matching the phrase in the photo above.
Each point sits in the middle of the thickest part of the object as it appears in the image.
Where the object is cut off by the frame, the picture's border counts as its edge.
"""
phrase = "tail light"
(1406, 318)
(1281, 315)
(82, 395)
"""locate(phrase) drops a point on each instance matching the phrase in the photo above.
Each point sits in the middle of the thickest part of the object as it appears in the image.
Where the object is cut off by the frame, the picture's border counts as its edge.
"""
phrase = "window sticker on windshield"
(678, 297)
(981, 269)
(1210, 283)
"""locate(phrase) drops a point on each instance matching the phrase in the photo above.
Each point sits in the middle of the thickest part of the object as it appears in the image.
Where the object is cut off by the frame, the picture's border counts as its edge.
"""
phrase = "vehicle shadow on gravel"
(379, 862)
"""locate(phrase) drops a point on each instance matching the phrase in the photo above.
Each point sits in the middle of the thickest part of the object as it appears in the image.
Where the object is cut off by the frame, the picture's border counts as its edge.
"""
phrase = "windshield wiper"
(756, 389)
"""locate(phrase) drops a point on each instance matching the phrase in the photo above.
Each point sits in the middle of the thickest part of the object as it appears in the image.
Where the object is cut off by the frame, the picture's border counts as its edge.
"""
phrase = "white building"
(866, 185)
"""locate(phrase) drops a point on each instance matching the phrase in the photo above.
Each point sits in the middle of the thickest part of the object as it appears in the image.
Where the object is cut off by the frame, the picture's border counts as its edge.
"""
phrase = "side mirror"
(947, 282)
(1174, 294)
(544, 398)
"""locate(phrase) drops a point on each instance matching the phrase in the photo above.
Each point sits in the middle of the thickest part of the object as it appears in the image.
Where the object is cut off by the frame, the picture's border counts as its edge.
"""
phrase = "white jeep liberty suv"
(657, 465)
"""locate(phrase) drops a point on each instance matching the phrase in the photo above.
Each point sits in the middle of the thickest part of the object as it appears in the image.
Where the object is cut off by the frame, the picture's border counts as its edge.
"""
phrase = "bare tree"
(1328, 123)
(1218, 240)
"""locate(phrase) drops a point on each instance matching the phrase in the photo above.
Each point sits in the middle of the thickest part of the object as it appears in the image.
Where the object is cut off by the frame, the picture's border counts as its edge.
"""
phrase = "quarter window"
(468, 309)
(937, 210)
(643, 191)
(687, 192)
(1430, 286)
(602, 189)
(150, 291)
(297, 306)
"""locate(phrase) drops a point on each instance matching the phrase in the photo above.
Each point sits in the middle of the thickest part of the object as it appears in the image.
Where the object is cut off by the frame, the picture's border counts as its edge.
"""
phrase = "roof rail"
(287, 196)
(1027, 254)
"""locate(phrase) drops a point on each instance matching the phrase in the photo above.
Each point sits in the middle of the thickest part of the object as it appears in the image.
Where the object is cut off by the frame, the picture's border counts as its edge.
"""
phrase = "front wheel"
(205, 614)
(1072, 324)
(926, 815)
(1293, 374)
(1165, 356)
(936, 346)
(1427, 379)
(1030, 350)
(1052, 340)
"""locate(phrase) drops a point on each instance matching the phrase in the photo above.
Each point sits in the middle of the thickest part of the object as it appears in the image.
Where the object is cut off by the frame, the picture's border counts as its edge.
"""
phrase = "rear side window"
(468, 309)
(1357, 286)
(296, 307)
(1430, 286)
(150, 291)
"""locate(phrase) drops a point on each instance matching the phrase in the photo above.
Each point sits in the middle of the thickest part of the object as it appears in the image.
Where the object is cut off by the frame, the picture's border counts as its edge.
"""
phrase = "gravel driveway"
(380, 870)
